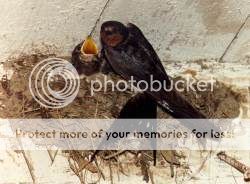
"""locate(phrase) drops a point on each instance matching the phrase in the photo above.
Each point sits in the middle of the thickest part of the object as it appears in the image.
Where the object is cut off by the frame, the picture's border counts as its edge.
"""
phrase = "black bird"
(85, 58)
(140, 106)
(128, 53)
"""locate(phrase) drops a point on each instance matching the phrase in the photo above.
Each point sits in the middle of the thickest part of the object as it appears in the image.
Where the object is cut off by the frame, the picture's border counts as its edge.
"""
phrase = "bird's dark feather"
(137, 33)
(136, 57)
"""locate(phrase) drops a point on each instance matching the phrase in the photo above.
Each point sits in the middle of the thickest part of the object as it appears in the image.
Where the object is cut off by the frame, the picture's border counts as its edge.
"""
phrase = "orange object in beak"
(89, 47)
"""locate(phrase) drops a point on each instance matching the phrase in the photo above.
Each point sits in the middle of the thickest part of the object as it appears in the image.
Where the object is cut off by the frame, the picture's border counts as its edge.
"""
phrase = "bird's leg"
(154, 156)
(144, 167)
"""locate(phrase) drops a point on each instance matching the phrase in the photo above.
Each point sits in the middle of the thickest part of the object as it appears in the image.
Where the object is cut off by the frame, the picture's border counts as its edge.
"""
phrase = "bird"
(140, 106)
(128, 53)
(85, 58)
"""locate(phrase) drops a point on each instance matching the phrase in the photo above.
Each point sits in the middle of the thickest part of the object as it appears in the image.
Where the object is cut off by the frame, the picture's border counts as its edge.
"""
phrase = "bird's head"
(89, 47)
(113, 33)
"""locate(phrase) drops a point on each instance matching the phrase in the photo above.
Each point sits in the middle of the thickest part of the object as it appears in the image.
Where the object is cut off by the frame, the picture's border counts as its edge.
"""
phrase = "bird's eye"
(108, 29)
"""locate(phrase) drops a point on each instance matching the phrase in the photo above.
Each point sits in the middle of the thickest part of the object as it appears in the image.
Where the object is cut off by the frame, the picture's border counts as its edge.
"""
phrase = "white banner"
(124, 134)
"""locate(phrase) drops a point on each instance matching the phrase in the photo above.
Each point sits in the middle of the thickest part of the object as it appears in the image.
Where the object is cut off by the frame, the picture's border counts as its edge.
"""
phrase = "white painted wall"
(179, 30)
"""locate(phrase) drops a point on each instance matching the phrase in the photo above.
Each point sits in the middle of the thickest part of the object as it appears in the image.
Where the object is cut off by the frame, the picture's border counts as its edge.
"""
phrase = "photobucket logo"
(54, 83)
(187, 84)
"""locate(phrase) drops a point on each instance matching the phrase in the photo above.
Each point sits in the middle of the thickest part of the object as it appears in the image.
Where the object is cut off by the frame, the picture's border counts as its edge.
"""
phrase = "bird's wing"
(137, 33)
(105, 68)
(137, 58)
(176, 103)
(132, 60)
(139, 65)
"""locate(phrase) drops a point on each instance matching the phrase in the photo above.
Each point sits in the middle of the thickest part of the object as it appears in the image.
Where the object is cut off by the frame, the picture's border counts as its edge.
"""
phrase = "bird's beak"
(89, 47)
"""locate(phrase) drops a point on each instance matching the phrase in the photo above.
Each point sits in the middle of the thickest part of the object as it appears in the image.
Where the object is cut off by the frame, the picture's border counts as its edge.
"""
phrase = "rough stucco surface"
(57, 24)
(179, 30)
(186, 30)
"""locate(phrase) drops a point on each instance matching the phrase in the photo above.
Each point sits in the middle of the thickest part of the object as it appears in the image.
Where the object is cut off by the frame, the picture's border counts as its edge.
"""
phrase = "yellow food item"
(89, 46)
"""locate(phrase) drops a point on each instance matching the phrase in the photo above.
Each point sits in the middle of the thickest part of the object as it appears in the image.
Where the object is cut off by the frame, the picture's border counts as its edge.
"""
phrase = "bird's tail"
(177, 106)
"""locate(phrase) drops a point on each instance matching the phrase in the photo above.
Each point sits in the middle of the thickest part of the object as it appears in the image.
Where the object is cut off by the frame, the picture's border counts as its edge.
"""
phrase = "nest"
(17, 102)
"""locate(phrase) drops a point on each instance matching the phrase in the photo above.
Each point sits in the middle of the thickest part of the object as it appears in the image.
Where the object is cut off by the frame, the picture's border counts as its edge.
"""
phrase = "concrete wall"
(179, 30)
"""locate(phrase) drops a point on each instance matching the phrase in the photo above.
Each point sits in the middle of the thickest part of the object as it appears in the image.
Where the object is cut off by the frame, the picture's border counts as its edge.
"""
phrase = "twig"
(234, 38)
(32, 110)
(75, 170)
(201, 166)
(245, 170)
(120, 167)
(100, 171)
(111, 173)
(52, 157)
(30, 166)
(235, 181)
(144, 167)
(172, 169)
(113, 155)
(82, 163)
(151, 176)
(154, 157)
(28, 163)
(99, 18)
(96, 109)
